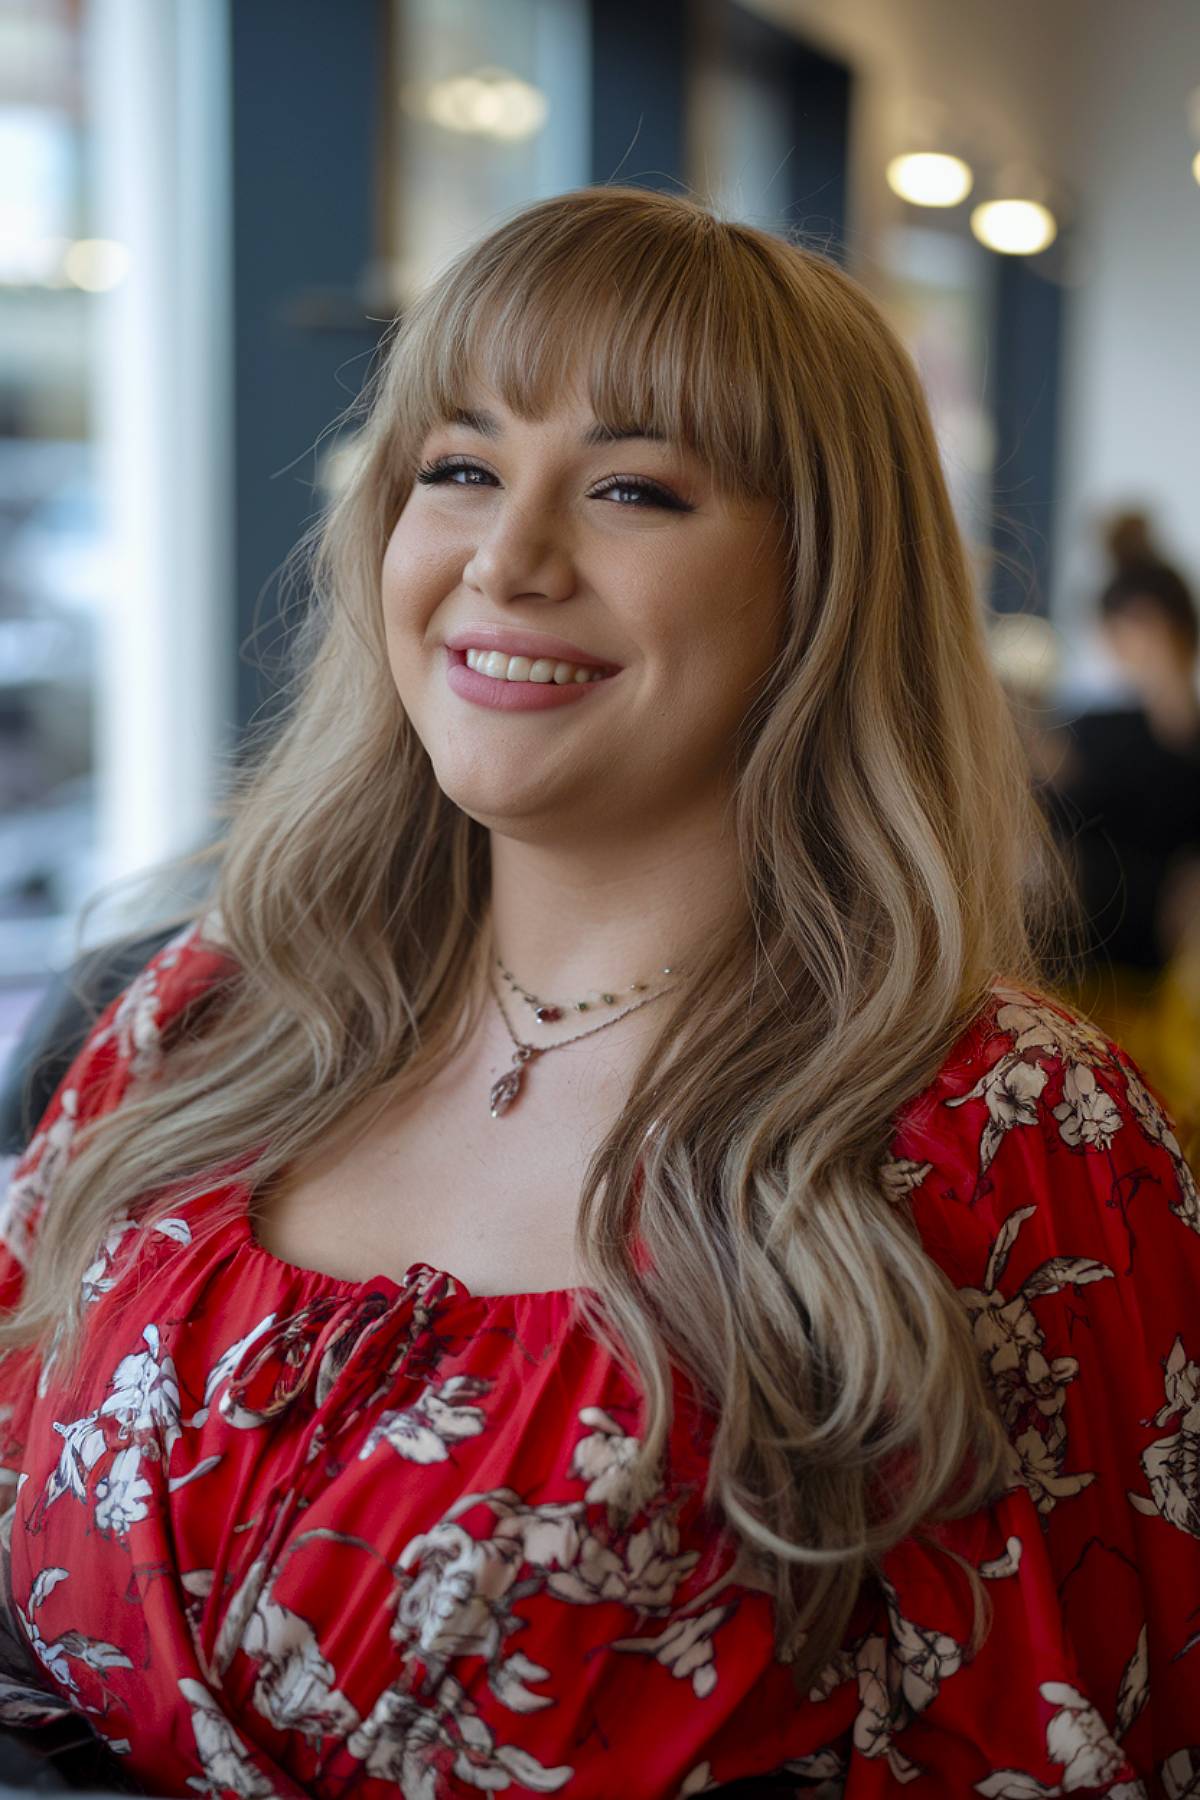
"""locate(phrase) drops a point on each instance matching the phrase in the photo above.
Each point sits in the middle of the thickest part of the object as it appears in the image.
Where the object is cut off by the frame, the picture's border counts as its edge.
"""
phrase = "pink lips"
(513, 696)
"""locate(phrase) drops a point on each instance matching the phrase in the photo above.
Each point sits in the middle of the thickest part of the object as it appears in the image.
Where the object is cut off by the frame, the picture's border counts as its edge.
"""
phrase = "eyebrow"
(488, 425)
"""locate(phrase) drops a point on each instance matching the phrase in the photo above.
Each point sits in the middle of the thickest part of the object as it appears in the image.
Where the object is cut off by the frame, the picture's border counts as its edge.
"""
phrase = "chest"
(436, 1179)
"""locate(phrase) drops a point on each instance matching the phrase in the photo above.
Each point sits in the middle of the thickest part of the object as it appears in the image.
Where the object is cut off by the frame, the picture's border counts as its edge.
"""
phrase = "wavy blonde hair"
(889, 852)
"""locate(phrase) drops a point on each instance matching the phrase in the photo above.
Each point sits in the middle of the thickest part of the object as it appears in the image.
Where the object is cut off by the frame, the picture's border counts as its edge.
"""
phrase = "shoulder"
(124, 1045)
(187, 968)
(1035, 1112)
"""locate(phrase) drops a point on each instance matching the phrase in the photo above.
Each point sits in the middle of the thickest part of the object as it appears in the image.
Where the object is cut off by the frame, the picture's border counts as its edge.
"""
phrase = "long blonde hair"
(889, 850)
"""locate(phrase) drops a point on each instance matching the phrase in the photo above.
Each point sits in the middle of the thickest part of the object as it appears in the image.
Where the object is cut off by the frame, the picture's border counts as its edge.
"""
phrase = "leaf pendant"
(505, 1091)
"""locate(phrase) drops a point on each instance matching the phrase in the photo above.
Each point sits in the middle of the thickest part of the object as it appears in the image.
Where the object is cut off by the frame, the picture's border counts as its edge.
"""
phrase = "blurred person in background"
(592, 1264)
(1125, 795)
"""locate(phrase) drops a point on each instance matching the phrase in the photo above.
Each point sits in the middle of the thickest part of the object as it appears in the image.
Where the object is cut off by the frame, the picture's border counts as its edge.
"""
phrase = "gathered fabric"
(302, 1535)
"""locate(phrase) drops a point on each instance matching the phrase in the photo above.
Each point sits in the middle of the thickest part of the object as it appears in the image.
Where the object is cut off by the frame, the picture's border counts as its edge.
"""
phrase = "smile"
(518, 683)
(522, 668)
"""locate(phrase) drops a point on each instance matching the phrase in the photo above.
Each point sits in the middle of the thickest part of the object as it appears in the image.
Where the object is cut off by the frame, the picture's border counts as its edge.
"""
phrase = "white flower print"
(509, 1682)
(56, 1655)
(1172, 1464)
(455, 1604)
(226, 1364)
(898, 1675)
(605, 1461)
(1029, 1387)
(1077, 1739)
(1180, 1775)
(878, 1719)
(925, 1658)
(1001, 1567)
(102, 1275)
(686, 1648)
(1135, 1686)
(424, 1431)
(294, 1685)
(644, 1574)
(224, 1757)
(900, 1175)
(122, 1494)
(1011, 1088)
(143, 1404)
(1088, 1117)
(1153, 1121)
(397, 1741)
(137, 1022)
(411, 1743)
(1034, 1026)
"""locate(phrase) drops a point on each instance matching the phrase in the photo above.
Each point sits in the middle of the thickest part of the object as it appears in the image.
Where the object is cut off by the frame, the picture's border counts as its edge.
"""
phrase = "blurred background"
(212, 208)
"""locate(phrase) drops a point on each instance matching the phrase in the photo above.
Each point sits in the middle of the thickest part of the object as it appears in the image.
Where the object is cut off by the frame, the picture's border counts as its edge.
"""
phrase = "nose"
(522, 554)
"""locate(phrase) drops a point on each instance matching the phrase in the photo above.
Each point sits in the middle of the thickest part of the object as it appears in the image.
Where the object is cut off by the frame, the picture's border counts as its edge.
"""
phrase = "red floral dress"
(304, 1535)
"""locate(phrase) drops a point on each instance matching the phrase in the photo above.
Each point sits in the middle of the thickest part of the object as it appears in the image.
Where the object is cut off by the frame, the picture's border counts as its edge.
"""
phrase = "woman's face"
(560, 542)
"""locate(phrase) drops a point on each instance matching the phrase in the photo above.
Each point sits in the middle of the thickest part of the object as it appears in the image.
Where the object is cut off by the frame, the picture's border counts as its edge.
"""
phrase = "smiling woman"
(782, 1373)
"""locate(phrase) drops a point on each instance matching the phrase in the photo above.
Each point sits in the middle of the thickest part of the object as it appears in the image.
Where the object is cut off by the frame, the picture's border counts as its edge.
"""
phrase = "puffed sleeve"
(122, 1045)
(1046, 1182)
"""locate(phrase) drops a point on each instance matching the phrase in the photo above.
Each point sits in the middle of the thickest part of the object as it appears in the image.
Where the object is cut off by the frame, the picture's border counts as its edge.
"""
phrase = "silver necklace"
(548, 1012)
(505, 1091)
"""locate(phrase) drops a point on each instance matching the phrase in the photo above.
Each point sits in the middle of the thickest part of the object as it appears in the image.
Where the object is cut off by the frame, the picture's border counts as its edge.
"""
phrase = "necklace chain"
(549, 1011)
(505, 1091)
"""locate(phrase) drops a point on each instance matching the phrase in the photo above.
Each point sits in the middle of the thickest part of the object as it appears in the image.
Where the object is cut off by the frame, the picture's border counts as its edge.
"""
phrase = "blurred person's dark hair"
(1144, 580)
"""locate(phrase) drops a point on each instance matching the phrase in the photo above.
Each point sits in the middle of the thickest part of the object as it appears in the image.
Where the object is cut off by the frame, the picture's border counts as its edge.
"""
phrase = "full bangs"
(650, 314)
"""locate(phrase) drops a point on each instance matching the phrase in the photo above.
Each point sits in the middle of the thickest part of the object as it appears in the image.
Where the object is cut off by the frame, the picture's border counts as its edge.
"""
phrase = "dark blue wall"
(1024, 381)
(639, 103)
(304, 81)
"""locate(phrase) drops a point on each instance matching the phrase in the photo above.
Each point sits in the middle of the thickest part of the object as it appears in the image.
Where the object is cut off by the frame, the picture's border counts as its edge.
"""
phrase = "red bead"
(546, 1015)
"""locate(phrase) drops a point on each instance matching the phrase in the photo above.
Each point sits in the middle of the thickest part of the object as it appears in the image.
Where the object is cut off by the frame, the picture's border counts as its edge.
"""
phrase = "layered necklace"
(547, 1012)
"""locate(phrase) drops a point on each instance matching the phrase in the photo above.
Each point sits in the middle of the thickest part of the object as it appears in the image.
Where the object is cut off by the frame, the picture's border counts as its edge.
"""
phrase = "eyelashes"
(649, 493)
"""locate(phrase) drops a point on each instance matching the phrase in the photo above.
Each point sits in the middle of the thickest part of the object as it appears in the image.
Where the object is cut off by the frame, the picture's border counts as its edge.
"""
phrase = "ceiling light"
(1014, 227)
(930, 178)
(488, 102)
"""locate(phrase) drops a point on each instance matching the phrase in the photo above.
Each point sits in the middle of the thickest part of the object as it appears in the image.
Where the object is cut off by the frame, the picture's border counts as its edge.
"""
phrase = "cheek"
(720, 609)
(416, 575)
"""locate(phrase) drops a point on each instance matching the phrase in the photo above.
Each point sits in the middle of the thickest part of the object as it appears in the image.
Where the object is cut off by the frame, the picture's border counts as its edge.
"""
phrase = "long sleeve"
(1046, 1182)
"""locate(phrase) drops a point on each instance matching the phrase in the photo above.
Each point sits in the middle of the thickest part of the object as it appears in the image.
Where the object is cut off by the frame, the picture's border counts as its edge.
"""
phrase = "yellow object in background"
(1156, 1018)
(1178, 1047)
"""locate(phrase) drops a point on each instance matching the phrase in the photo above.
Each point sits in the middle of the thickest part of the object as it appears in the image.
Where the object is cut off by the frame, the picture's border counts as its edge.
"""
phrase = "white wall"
(1132, 381)
(1095, 92)
(158, 74)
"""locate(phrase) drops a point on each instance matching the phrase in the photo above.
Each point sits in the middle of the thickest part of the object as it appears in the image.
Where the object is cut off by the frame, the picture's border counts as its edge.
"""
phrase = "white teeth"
(519, 668)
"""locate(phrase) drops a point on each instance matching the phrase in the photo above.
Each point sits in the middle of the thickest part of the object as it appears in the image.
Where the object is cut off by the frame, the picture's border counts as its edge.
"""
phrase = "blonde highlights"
(890, 856)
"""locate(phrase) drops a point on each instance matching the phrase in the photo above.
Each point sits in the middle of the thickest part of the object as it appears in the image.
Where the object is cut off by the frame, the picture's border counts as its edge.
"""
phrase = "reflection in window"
(938, 296)
(487, 110)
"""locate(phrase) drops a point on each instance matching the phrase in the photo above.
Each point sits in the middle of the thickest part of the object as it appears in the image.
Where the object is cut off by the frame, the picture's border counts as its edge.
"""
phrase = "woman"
(1125, 796)
(631, 919)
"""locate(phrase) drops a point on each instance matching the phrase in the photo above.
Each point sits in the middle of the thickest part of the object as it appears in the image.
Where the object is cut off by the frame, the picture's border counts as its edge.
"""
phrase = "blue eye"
(648, 492)
(442, 469)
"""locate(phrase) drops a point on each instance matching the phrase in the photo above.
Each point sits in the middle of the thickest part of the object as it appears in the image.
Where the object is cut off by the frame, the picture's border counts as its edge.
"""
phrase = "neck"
(607, 915)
